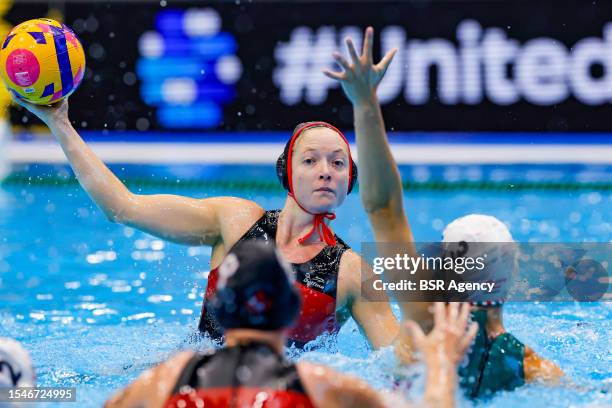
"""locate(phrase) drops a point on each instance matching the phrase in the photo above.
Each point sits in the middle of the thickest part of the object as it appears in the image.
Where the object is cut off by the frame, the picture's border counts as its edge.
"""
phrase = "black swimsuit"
(316, 279)
(246, 375)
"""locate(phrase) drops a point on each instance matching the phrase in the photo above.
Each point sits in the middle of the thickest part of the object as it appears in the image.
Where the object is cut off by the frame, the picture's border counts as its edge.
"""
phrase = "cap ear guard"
(281, 167)
(353, 179)
(281, 162)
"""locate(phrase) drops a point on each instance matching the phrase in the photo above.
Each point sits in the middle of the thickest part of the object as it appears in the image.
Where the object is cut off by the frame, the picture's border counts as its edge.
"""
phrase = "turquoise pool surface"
(96, 303)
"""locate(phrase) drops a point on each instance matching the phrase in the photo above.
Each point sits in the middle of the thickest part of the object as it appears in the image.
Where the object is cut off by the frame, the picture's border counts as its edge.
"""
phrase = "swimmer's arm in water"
(371, 309)
(328, 388)
(175, 218)
(153, 387)
(537, 368)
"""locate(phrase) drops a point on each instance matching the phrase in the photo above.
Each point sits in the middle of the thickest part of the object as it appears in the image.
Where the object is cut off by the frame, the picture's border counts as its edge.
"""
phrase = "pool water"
(96, 303)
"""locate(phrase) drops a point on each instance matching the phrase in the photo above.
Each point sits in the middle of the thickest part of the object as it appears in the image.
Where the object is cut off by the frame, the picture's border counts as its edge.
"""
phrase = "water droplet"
(129, 78)
(142, 124)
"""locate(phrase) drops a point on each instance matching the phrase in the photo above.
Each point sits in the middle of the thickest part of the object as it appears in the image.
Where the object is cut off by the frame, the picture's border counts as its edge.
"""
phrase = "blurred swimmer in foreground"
(318, 172)
(16, 369)
(256, 302)
(498, 360)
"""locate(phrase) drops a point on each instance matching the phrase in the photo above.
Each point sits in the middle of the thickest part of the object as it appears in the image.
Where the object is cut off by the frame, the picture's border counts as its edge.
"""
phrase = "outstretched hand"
(449, 339)
(49, 114)
(360, 76)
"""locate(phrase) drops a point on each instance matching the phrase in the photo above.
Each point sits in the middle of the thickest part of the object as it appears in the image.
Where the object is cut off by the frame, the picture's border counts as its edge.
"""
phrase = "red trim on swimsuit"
(239, 397)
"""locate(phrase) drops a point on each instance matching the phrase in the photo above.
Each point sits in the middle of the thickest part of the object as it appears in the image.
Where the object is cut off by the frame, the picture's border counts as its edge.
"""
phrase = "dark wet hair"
(255, 289)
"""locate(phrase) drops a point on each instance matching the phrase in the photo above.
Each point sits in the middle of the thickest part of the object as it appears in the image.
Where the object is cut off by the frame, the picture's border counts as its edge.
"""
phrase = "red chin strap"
(318, 225)
(325, 233)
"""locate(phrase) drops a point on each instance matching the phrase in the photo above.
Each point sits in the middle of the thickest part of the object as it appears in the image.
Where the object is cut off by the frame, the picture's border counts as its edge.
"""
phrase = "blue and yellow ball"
(42, 61)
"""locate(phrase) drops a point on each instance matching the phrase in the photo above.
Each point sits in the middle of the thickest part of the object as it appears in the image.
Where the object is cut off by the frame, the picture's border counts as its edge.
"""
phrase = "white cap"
(501, 260)
(476, 228)
(15, 365)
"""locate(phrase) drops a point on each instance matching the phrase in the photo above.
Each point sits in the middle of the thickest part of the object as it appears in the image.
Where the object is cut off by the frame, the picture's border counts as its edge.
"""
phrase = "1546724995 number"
(40, 394)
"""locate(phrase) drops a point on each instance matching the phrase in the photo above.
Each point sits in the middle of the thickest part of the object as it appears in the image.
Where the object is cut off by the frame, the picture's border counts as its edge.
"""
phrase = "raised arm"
(174, 218)
(371, 308)
(380, 184)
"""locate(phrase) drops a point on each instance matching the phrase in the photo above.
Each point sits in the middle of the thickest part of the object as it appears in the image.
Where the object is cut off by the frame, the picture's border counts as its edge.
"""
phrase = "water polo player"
(316, 168)
(255, 302)
(16, 369)
(382, 197)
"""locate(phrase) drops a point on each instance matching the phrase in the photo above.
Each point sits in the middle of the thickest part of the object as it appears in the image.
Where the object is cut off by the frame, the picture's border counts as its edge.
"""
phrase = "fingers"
(453, 312)
(24, 103)
(368, 44)
(415, 332)
(16, 100)
(464, 314)
(342, 61)
(439, 315)
(352, 51)
(471, 333)
(468, 338)
(339, 76)
(386, 61)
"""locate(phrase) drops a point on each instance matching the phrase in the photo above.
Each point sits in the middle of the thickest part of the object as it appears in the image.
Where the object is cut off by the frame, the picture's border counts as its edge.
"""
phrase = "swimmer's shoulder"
(236, 207)
(537, 368)
(329, 388)
(236, 215)
(153, 387)
(349, 261)
(349, 276)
